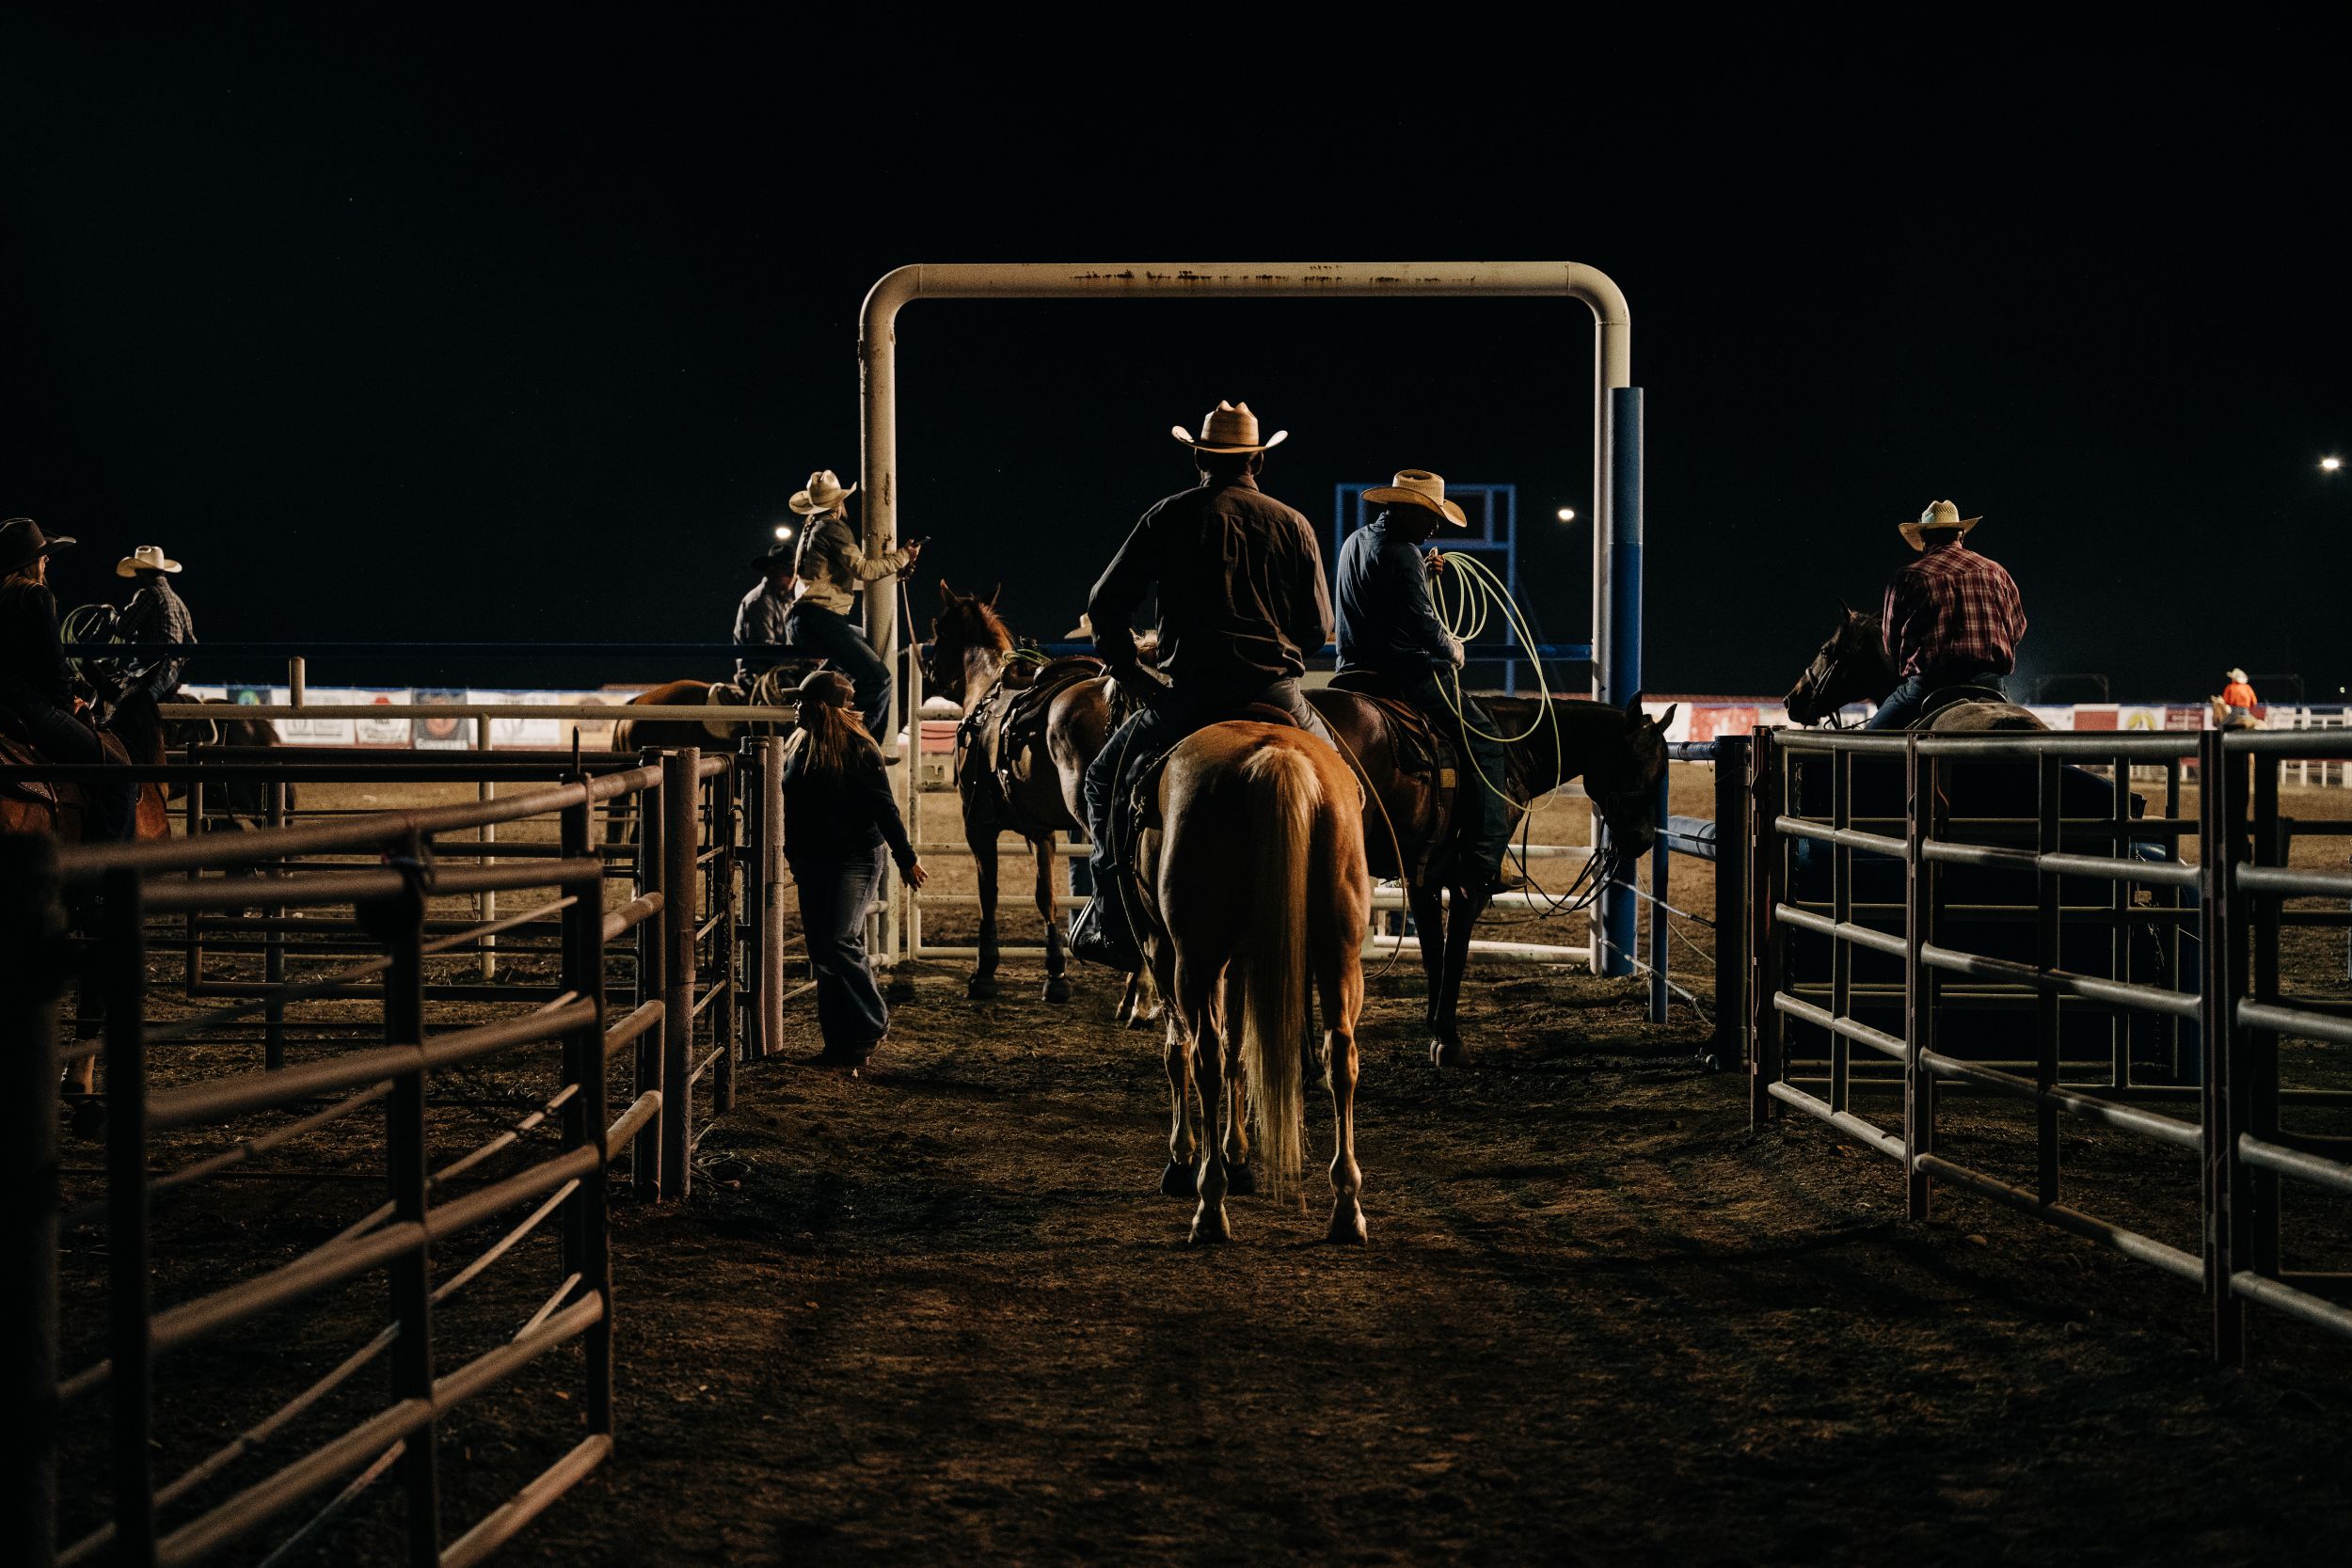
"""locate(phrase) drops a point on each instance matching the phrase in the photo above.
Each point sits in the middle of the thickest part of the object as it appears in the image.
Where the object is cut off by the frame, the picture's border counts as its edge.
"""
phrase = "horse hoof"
(1241, 1181)
(1176, 1181)
(981, 988)
(1347, 1226)
(89, 1119)
(1447, 1054)
(1057, 987)
(1209, 1226)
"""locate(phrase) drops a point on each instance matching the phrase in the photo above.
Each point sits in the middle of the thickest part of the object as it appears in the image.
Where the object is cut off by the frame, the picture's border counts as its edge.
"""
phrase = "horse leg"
(1193, 1009)
(1241, 1175)
(1428, 908)
(1056, 982)
(1340, 982)
(1445, 1047)
(81, 1074)
(1184, 1146)
(982, 986)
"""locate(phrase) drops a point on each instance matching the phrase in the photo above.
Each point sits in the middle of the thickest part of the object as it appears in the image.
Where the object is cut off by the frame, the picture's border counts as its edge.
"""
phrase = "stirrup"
(1092, 939)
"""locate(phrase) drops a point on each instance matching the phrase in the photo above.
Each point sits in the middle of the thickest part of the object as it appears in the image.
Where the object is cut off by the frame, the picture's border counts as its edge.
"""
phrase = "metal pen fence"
(694, 953)
(2208, 934)
(1718, 841)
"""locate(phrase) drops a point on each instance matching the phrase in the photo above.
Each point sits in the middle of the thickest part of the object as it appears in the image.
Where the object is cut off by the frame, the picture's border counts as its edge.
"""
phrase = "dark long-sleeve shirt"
(1242, 597)
(156, 615)
(831, 819)
(32, 662)
(759, 623)
(1387, 620)
(1952, 608)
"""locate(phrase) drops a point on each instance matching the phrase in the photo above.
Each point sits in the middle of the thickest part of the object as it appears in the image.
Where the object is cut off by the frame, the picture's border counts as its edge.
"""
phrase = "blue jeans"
(831, 637)
(1484, 815)
(1119, 765)
(1903, 705)
(835, 897)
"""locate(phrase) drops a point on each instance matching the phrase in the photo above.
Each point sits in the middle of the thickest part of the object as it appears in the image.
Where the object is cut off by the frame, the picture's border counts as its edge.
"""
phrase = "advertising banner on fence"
(381, 732)
(436, 734)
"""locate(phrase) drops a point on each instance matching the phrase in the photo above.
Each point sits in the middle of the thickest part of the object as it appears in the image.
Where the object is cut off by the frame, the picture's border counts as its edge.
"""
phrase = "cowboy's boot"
(1099, 933)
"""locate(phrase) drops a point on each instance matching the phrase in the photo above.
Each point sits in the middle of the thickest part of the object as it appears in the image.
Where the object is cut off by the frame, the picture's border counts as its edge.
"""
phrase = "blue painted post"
(1621, 646)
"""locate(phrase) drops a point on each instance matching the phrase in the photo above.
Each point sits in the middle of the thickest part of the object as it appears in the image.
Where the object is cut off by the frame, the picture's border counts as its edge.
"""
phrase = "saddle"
(17, 751)
(1425, 750)
(1009, 726)
(1966, 694)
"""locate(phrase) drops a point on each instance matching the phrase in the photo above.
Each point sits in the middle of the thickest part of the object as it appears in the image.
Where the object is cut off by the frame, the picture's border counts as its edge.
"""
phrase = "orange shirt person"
(2237, 693)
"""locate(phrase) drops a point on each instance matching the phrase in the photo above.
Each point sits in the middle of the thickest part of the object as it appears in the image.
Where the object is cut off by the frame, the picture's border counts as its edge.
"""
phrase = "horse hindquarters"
(1284, 796)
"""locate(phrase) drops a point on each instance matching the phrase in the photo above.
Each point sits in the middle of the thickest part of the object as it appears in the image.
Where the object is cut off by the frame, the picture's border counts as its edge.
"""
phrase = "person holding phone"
(838, 817)
(833, 566)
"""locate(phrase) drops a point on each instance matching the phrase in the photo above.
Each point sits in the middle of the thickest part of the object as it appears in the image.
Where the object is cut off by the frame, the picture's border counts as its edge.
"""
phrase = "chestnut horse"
(1853, 666)
(770, 688)
(1249, 886)
(1030, 726)
(1619, 755)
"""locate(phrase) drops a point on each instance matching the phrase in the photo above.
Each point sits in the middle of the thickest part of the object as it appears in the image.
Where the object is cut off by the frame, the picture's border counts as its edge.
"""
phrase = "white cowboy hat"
(147, 557)
(2235, 674)
(1418, 487)
(1938, 514)
(823, 493)
(1082, 632)
(1230, 427)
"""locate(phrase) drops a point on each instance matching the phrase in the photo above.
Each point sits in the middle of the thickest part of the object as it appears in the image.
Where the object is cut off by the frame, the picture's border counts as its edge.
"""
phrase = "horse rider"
(156, 613)
(1952, 617)
(1241, 604)
(759, 618)
(1389, 625)
(833, 566)
(2239, 700)
(36, 683)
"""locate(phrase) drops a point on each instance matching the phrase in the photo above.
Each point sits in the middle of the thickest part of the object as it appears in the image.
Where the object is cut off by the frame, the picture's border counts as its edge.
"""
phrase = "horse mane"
(999, 637)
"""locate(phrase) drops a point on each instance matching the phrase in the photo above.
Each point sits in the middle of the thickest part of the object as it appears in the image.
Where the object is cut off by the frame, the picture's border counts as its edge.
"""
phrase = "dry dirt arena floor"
(940, 1313)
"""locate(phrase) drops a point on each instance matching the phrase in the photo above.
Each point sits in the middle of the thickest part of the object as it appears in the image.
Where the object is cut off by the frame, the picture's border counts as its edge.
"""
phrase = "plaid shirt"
(155, 614)
(1953, 609)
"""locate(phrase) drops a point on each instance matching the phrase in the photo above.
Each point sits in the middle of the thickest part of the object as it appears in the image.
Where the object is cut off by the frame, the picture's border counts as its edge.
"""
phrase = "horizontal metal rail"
(1845, 1122)
(2132, 1244)
(2169, 1130)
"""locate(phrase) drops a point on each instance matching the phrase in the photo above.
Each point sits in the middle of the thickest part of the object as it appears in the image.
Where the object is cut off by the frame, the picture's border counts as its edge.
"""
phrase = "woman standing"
(838, 814)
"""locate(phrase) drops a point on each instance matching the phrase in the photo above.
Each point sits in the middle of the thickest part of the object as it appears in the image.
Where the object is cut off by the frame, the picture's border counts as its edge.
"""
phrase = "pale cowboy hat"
(147, 557)
(1230, 427)
(1418, 487)
(823, 493)
(1938, 514)
(2234, 672)
(1082, 632)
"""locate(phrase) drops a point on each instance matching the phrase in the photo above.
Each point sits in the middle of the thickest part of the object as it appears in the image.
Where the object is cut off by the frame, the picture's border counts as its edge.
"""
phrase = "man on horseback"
(1242, 602)
(155, 614)
(1389, 626)
(36, 684)
(759, 619)
(833, 566)
(1952, 618)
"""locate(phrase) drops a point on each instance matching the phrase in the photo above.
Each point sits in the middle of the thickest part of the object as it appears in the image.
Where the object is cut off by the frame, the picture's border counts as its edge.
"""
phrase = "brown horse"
(1619, 755)
(237, 804)
(1853, 666)
(1249, 887)
(1030, 726)
(135, 735)
(770, 688)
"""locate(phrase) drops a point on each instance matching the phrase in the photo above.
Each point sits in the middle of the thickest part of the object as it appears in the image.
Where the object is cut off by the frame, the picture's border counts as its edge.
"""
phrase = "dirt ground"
(940, 1312)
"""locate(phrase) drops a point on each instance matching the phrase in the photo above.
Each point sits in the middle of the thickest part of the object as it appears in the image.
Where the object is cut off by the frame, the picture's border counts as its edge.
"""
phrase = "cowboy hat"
(1418, 487)
(2235, 674)
(22, 543)
(823, 493)
(1938, 514)
(147, 557)
(775, 555)
(1082, 632)
(1230, 427)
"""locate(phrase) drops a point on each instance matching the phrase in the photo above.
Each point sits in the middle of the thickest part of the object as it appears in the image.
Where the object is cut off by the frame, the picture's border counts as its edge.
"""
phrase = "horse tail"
(1285, 797)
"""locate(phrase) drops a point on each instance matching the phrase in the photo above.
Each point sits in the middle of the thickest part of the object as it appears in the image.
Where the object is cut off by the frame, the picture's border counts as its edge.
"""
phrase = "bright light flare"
(2331, 463)
(1567, 514)
(783, 530)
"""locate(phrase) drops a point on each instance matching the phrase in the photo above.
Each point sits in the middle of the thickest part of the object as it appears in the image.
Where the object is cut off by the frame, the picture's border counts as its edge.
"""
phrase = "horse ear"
(1633, 709)
(1667, 718)
(993, 594)
(1845, 611)
(946, 594)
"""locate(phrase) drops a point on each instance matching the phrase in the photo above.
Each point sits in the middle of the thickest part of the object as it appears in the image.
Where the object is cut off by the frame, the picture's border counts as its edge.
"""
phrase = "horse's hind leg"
(1239, 1172)
(1056, 981)
(1194, 1009)
(1183, 1144)
(1445, 1031)
(1339, 981)
(982, 842)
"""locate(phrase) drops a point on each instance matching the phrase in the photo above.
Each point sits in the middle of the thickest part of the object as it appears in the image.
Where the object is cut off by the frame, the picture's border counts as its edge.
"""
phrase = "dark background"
(395, 327)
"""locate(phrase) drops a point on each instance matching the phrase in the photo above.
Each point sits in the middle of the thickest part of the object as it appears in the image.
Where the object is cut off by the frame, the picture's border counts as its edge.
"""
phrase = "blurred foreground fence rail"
(1941, 901)
(675, 977)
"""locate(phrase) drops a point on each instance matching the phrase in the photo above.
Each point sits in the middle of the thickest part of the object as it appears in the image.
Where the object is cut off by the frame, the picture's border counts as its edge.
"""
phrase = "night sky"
(403, 328)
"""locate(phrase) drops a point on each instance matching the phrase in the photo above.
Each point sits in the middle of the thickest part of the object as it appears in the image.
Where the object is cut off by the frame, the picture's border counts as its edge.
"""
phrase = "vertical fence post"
(487, 901)
(121, 956)
(409, 1169)
(653, 869)
(681, 794)
(1919, 775)
(1842, 953)
(192, 976)
(1620, 633)
(1766, 947)
(1661, 870)
(587, 1232)
(32, 931)
(769, 988)
(2049, 888)
(1731, 894)
(2220, 809)
(728, 952)
(274, 960)
(2254, 1082)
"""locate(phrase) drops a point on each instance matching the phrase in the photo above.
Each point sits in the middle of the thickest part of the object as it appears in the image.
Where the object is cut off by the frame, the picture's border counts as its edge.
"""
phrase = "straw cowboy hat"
(823, 493)
(1938, 514)
(1082, 632)
(2234, 672)
(22, 543)
(147, 557)
(1230, 427)
(1418, 487)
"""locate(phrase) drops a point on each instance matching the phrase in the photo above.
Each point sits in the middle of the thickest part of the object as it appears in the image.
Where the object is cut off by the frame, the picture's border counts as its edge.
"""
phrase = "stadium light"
(1567, 514)
(783, 530)
(2330, 463)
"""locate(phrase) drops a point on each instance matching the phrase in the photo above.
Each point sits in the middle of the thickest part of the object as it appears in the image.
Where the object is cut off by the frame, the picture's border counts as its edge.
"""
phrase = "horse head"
(965, 623)
(1851, 667)
(1623, 781)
